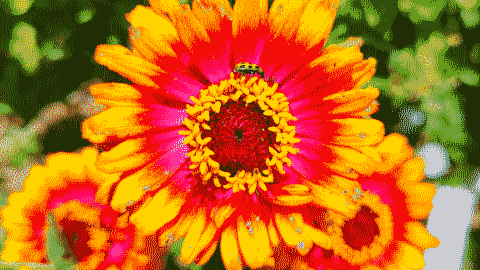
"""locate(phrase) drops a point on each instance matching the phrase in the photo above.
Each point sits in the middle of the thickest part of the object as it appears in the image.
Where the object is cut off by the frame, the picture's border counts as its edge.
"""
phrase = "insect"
(247, 68)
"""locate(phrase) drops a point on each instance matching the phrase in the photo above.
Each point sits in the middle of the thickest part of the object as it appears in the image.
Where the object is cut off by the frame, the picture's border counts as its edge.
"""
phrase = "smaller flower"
(96, 235)
(385, 232)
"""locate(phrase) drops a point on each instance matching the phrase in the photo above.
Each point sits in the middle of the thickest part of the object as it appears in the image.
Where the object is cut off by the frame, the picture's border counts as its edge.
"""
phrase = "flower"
(206, 153)
(97, 236)
(386, 232)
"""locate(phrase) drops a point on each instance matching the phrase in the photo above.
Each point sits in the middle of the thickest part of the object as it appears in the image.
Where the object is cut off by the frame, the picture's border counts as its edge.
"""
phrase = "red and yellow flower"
(208, 154)
(97, 236)
(385, 232)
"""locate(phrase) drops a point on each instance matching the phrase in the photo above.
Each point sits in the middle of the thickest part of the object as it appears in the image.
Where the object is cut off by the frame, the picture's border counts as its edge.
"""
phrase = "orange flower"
(385, 233)
(97, 236)
(206, 153)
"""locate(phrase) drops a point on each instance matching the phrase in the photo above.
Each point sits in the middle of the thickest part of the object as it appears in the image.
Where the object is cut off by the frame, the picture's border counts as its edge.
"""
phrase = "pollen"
(258, 117)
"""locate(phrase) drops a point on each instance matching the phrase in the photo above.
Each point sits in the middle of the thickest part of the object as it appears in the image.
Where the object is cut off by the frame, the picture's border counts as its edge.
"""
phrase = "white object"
(449, 221)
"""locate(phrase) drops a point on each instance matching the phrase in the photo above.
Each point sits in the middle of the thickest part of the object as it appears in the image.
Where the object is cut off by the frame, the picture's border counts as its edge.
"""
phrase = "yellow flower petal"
(122, 61)
(152, 34)
(133, 187)
(287, 227)
(293, 200)
(66, 165)
(229, 249)
(418, 235)
(192, 244)
(316, 22)
(419, 211)
(249, 14)
(253, 243)
(182, 227)
(420, 193)
(409, 257)
(178, 230)
(221, 214)
(206, 240)
(22, 251)
(394, 150)
(348, 161)
(273, 234)
(284, 17)
(116, 95)
(125, 156)
(209, 13)
(370, 267)
(319, 237)
(358, 132)
(207, 254)
(411, 172)
(188, 27)
(147, 218)
(351, 101)
(334, 199)
(116, 122)
(336, 57)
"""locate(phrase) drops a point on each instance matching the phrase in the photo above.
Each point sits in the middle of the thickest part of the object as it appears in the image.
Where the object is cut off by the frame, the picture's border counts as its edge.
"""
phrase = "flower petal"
(133, 187)
(230, 250)
(273, 234)
(153, 34)
(420, 193)
(121, 60)
(116, 94)
(350, 131)
(419, 211)
(353, 103)
(192, 244)
(334, 199)
(312, 31)
(188, 27)
(125, 156)
(115, 122)
(219, 215)
(394, 150)
(308, 161)
(418, 235)
(249, 14)
(284, 17)
(253, 243)
(174, 154)
(250, 30)
(408, 257)
(147, 218)
(411, 172)
(209, 236)
(207, 253)
(22, 251)
(293, 195)
(319, 237)
(165, 117)
(287, 228)
(348, 161)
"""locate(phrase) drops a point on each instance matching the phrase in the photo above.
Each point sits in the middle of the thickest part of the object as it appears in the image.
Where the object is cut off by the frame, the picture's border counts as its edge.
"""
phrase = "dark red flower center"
(361, 230)
(240, 136)
(75, 236)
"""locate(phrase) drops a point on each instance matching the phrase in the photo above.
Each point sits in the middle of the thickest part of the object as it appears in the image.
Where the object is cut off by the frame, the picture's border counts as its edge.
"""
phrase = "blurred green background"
(428, 55)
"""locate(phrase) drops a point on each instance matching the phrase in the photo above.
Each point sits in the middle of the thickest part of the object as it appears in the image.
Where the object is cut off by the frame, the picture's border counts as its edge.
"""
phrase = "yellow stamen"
(212, 98)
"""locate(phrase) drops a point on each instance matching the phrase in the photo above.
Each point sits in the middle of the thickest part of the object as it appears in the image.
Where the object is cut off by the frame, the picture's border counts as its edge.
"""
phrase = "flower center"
(365, 236)
(239, 132)
(77, 222)
(241, 137)
(361, 230)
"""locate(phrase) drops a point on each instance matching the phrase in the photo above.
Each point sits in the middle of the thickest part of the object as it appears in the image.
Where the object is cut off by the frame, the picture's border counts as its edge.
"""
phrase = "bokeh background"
(428, 54)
